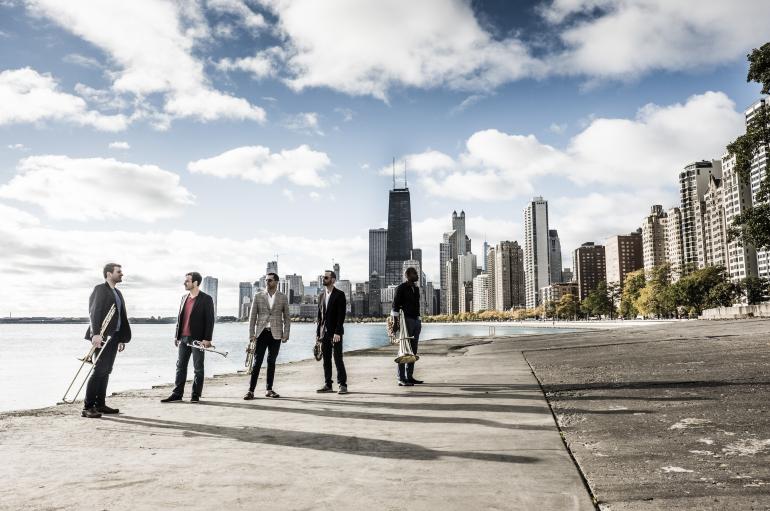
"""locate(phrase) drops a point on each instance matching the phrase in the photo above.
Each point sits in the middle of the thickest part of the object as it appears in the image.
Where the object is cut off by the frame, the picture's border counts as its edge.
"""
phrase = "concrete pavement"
(478, 435)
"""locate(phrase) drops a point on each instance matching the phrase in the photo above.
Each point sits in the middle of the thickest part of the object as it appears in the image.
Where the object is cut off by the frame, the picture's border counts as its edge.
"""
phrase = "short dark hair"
(411, 270)
(109, 268)
(195, 276)
(333, 275)
(274, 275)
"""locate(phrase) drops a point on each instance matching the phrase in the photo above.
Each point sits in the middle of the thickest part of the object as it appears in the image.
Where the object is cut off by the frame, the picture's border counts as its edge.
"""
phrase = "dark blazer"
(332, 319)
(99, 304)
(201, 318)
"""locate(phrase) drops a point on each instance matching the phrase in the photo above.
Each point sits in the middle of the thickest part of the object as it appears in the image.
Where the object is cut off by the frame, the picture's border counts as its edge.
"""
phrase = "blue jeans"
(413, 328)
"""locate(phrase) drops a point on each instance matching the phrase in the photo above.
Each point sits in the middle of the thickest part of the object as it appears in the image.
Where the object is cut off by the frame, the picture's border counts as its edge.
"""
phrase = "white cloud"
(288, 194)
(557, 128)
(40, 261)
(467, 103)
(626, 39)
(18, 147)
(16, 217)
(97, 188)
(30, 97)
(347, 114)
(301, 166)
(119, 145)
(82, 61)
(152, 45)
(304, 122)
(647, 151)
(263, 64)
(365, 48)
(241, 10)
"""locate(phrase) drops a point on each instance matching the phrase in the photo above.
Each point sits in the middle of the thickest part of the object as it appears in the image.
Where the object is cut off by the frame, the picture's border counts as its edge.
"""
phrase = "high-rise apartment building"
(554, 255)
(346, 287)
(375, 284)
(336, 269)
(399, 240)
(741, 260)
(509, 279)
(481, 292)
(590, 268)
(714, 227)
(245, 295)
(758, 166)
(566, 275)
(674, 243)
(210, 286)
(492, 278)
(293, 287)
(378, 243)
(623, 254)
(466, 272)
(537, 270)
(693, 183)
(654, 238)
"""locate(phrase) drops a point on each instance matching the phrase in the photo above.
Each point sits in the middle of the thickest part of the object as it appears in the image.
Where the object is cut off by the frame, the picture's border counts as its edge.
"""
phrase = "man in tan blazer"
(269, 325)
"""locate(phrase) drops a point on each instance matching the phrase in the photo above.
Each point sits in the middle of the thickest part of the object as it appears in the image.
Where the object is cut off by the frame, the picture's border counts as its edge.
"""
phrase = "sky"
(215, 135)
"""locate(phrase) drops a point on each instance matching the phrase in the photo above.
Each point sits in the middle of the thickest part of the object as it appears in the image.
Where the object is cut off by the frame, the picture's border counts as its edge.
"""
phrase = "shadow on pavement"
(329, 442)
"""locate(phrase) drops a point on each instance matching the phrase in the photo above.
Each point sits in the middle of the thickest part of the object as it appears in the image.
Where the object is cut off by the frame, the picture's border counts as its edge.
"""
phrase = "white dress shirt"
(270, 299)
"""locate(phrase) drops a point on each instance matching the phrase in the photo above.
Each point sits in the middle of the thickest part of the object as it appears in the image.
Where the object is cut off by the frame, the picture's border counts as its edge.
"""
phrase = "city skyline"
(208, 114)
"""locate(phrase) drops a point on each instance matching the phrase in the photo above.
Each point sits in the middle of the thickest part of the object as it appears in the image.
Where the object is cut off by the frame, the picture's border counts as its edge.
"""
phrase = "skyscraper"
(210, 286)
(654, 238)
(741, 260)
(509, 280)
(245, 296)
(378, 242)
(293, 287)
(458, 225)
(554, 255)
(336, 268)
(693, 182)
(537, 271)
(758, 165)
(623, 254)
(399, 241)
(590, 269)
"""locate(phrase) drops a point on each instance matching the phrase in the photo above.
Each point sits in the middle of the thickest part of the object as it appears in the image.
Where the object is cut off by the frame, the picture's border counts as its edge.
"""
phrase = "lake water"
(37, 362)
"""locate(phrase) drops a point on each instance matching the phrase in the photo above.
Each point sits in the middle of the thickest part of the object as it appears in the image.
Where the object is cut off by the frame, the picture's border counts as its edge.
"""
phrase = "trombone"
(250, 350)
(89, 358)
(198, 346)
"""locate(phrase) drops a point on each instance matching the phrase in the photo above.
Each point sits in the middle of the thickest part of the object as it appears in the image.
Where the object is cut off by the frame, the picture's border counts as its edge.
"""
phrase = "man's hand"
(206, 344)
(121, 346)
(96, 341)
(284, 339)
(176, 342)
(337, 338)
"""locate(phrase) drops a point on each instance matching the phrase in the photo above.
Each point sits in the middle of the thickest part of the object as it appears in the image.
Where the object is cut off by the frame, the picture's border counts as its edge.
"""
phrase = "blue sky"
(212, 135)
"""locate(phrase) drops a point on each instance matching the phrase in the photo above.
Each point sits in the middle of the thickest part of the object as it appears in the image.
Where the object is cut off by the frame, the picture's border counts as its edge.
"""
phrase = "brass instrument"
(198, 346)
(250, 351)
(89, 357)
(405, 353)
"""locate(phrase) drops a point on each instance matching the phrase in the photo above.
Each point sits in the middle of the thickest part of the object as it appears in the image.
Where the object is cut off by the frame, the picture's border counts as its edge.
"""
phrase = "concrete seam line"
(587, 346)
(580, 471)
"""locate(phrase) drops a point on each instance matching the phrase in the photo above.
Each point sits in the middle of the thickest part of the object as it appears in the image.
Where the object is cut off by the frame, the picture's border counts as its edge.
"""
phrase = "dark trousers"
(96, 390)
(413, 328)
(329, 349)
(181, 368)
(265, 341)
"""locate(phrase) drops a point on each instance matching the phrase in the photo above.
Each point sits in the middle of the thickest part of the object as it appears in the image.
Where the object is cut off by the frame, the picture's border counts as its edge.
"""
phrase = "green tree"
(752, 226)
(704, 288)
(634, 283)
(598, 303)
(568, 307)
(755, 289)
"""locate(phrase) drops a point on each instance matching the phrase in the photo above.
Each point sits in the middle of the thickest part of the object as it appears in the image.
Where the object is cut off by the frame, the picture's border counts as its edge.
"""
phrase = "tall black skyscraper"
(399, 244)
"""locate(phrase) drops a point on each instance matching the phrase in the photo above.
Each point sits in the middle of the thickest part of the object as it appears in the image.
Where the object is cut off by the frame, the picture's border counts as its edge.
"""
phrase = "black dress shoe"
(415, 382)
(402, 383)
(90, 413)
(194, 399)
(171, 398)
(325, 388)
(107, 409)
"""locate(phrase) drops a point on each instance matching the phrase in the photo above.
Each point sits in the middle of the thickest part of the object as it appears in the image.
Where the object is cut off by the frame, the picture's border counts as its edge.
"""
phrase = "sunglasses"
(269, 280)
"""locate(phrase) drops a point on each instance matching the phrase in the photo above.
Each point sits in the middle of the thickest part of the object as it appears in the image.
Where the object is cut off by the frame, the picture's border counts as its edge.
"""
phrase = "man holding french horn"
(407, 298)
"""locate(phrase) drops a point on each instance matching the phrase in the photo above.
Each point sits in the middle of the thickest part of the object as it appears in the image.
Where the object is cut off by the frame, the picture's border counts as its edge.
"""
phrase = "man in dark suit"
(195, 322)
(117, 334)
(329, 330)
(407, 298)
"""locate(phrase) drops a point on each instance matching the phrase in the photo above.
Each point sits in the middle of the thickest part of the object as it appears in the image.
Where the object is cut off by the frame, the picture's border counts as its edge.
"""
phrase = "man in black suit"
(329, 330)
(195, 322)
(407, 298)
(117, 333)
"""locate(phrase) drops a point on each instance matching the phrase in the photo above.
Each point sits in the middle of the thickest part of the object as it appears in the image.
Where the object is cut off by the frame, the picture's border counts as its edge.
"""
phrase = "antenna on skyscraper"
(405, 174)
(394, 172)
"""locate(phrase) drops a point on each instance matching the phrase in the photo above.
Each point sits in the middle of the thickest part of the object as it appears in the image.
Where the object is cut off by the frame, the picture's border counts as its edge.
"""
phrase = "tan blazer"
(277, 317)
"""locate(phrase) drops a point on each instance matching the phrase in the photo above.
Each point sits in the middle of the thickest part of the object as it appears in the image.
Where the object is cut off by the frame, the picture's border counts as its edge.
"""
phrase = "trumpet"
(89, 358)
(198, 346)
(249, 364)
